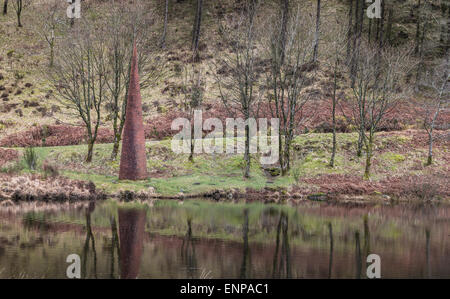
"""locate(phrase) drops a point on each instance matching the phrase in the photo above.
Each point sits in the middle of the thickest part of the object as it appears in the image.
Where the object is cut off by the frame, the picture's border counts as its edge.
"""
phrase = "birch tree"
(290, 49)
(79, 77)
(49, 21)
(238, 83)
(124, 25)
(439, 100)
(378, 88)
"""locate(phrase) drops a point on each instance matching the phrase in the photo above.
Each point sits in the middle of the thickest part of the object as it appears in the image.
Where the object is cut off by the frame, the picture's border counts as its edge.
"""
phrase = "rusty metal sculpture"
(133, 161)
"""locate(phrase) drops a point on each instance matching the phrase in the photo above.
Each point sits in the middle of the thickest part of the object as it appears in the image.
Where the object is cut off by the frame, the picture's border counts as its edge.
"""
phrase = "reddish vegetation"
(33, 187)
(54, 135)
(404, 115)
(7, 155)
(427, 186)
(343, 184)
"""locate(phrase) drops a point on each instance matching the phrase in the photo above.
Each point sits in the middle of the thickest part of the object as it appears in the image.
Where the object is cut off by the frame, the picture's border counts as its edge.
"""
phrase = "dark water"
(199, 239)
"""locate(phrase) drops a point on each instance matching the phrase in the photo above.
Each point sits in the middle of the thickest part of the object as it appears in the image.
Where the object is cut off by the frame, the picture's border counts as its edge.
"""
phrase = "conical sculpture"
(133, 161)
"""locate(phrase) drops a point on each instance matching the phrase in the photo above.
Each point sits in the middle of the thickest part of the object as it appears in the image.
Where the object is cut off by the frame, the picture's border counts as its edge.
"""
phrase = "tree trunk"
(317, 33)
(369, 144)
(421, 60)
(5, 7)
(447, 44)
(90, 149)
(284, 21)
(280, 150)
(116, 145)
(52, 53)
(166, 16)
(349, 31)
(389, 25)
(247, 151)
(196, 30)
(443, 24)
(286, 157)
(333, 152)
(360, 140)
(430, 147)
(191, 154)
(19, 13)
(381, 41)
(117, 130)
(354, 50)
(416, 48)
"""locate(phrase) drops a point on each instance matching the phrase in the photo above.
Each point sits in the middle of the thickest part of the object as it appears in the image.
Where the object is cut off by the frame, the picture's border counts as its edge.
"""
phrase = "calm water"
(199, 239)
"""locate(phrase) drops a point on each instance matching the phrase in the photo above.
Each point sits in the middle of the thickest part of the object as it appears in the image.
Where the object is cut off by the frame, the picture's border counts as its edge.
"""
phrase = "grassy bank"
(397, 154)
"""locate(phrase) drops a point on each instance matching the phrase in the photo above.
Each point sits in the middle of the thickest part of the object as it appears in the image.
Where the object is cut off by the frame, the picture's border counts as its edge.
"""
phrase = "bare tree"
(236, 74)
(193, 89)
(425, 18)
(418, 19)
(5, 7)
(349, 31)
(290, 50)
(336, 57)
(196, 30)
(317, 33)
(79, 76)
(48, 21)
(125, 24)
(377, 89)
(19, 6)
(437, 82)
(166, 17)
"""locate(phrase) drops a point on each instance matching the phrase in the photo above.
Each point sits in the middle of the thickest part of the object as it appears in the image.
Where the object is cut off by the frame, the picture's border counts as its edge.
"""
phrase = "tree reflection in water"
(281, 259)
(330, 264)
(114, 246)
(358, 261)
(188, 257)
(246, 260)
(89, 237)
(131, 234)
(427, 251)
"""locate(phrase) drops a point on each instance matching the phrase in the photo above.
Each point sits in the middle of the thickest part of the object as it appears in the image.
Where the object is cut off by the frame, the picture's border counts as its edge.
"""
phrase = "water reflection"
(330, 264)
(281, 259)
(246, 260)
(188, 257)
(358, 259)
(203, 240)
(131, 234)
(89, 247)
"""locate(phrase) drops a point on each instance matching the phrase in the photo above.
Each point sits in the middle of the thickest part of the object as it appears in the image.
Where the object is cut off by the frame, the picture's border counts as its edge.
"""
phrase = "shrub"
(296, 171)
(50, 170)
(12, 168)
(30, 158)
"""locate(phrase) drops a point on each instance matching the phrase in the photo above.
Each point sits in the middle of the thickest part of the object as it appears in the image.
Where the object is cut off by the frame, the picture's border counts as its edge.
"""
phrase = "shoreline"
(35, 189)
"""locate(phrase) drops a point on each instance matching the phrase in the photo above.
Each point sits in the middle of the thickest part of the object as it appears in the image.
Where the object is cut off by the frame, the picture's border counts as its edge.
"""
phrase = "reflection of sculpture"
(131, 235)
(133, 162)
